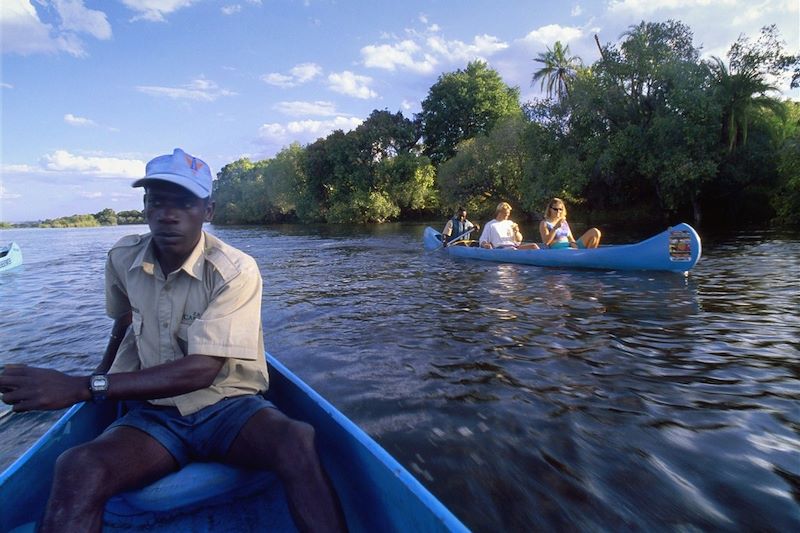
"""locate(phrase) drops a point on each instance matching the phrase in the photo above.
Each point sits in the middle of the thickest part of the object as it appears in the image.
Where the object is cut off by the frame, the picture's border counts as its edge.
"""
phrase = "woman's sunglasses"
(556, 208)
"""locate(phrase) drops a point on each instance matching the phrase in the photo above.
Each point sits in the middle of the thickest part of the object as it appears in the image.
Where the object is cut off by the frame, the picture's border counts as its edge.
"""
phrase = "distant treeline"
(106, 217)
(649, 130)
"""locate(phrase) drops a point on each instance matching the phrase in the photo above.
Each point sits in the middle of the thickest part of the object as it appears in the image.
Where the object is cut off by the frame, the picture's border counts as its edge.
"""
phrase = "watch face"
(99, 383)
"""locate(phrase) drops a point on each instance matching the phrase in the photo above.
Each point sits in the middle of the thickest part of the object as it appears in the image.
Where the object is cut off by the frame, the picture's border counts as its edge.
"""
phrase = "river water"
(524, 398)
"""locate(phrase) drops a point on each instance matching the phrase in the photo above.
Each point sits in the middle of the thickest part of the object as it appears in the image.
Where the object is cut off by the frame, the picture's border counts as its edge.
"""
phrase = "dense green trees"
(371, 174)
(647, 131)
(650, 127)
(461, 105)
(130, 217)
(106, 217)
(487, 168)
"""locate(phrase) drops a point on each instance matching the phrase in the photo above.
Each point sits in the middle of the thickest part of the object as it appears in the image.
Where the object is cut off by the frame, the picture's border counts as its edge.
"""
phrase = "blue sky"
(93, 89)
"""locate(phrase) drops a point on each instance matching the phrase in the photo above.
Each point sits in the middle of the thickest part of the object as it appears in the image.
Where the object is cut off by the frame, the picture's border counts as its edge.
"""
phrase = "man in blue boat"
(187, 354)
(458, 227)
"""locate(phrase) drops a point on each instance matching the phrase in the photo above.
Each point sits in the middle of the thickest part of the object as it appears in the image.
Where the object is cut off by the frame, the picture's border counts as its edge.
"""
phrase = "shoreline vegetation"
(648, 132)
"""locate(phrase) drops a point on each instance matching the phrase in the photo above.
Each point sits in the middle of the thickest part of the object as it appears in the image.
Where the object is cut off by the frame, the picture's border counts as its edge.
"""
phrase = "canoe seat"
(193, 484)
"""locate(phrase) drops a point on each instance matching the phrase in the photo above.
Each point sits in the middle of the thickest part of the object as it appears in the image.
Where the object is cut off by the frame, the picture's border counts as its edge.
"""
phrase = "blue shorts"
(560, 245)
(201, 436)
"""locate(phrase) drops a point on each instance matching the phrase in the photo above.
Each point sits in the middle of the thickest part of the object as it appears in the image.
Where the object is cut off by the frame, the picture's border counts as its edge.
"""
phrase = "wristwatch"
(98, 384)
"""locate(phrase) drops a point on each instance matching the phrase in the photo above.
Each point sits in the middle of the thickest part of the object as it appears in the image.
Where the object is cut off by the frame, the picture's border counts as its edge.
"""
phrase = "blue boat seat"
(192, 485)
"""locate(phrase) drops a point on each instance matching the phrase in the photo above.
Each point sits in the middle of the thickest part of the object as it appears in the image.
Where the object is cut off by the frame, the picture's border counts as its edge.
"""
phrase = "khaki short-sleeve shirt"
(209, 306)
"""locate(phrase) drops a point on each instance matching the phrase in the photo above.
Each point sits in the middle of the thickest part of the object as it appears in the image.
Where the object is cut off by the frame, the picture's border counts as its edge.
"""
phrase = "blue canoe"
(676, 250)
(376, 492)
(10, 257)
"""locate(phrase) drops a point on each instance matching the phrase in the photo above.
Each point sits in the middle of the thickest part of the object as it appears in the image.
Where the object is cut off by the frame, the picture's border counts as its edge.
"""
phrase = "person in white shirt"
(502, 232)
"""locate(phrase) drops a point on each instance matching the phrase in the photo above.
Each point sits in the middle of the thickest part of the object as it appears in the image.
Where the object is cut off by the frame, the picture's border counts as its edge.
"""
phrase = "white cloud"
(299, 74)
(73, 120)
(304, 131)
(551, 33)
(279, 80)
(351, 84)
(296, 108)
(641, 7)
(76, 17)
(5, 195)
(4, 85)
(482, 47)
(751, 13)
(199, 90)
(112, 167)
(405, 55)
(421, 54)
(19, 169)
(90, 194)
(23, 32)
(306, 72)
(155, 10)
(576, 11)
(231, 9)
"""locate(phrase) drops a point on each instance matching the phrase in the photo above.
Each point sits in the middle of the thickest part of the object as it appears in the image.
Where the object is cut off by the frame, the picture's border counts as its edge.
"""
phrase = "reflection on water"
(525, 398)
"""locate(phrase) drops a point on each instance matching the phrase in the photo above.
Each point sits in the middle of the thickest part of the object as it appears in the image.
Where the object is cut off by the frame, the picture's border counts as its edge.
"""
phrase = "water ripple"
(525, 398)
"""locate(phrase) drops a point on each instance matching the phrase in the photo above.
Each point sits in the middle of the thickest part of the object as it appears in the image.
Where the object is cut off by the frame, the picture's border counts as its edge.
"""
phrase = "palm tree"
(741, 95)
(558, 71)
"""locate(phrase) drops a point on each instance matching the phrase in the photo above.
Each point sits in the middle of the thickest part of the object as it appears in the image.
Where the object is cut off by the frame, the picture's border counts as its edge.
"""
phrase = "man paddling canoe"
(187, 352)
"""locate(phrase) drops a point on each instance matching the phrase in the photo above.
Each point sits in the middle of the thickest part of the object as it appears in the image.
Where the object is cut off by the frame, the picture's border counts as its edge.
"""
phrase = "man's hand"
(38, 389)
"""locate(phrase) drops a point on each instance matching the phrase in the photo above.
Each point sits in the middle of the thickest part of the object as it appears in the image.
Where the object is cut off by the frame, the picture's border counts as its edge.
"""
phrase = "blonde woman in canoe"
(556, 232)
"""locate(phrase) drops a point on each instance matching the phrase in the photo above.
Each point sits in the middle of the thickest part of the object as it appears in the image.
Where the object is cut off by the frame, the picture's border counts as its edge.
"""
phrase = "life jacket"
(459, 228)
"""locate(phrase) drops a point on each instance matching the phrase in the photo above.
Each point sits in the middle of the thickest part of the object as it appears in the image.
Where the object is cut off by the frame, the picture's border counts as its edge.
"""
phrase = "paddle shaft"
(459, 237)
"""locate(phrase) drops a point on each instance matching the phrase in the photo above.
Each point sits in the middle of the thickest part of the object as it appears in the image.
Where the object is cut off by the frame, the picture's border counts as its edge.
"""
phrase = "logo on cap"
(181, 169)
(194, 163)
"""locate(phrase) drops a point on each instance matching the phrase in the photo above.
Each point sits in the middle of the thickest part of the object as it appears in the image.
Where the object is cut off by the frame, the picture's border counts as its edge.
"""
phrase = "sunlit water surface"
(524, 398)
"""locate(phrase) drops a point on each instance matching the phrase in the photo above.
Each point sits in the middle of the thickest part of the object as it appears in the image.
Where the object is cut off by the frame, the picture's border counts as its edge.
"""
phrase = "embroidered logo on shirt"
(190, 317)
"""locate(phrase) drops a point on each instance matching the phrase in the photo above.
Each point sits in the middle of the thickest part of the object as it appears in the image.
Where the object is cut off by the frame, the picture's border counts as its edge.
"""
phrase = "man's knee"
(82, 466)
(299, 449)
(301, 437)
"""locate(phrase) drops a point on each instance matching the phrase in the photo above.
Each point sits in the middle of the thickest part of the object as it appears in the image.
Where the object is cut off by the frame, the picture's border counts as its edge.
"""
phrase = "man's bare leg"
(272, 441)
(87, 475)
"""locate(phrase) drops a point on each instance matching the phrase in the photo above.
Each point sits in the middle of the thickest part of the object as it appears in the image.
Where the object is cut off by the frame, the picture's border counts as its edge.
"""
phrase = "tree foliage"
(649, 124)
(106, 217)
(558, 70)
(462, 105)
(132, 216)
(486, 168)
